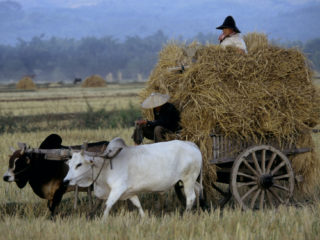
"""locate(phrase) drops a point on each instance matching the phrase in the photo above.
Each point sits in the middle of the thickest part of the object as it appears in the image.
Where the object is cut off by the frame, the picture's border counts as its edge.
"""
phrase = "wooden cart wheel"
(261, 176)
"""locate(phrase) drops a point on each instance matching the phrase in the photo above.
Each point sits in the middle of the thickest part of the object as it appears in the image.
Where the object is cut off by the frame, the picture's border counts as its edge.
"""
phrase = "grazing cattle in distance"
(44, 176)
(77, 80)
(124, 171)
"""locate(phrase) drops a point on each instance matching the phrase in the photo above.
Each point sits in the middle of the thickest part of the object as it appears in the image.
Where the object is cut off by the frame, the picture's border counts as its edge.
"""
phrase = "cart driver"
(166, 117)
(231, 35)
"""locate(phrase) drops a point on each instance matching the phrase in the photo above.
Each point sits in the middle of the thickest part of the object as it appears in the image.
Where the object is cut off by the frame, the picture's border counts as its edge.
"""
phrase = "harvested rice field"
(23, 215)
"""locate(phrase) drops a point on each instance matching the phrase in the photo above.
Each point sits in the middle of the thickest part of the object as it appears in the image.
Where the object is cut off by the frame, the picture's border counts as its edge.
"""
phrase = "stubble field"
(23, 215)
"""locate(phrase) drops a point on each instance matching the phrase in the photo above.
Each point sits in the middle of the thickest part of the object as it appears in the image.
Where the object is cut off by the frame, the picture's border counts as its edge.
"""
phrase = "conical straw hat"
(155, 100)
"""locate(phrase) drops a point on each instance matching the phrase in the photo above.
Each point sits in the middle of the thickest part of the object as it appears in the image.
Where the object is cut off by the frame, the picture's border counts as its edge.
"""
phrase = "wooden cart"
(259, 175)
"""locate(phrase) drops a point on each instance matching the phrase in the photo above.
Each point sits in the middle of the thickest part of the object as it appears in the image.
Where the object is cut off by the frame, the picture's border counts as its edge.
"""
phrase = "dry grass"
(65, 100)
(94, 81)
(25, 216)
(286, 223)
(26, 83)
(255, 41)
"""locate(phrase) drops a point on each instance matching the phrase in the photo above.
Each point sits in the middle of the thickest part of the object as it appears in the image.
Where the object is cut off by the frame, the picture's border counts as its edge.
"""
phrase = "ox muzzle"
(66, 182)
(8, 176)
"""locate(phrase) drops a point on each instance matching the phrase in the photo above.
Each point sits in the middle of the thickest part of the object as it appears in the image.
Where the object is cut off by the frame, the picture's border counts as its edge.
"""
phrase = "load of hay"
(26, 83)
(94, 81)
(267, 92)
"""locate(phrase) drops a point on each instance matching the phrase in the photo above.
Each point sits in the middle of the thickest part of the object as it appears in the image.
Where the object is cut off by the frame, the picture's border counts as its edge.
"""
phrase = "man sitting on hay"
(231, 35)
(166, 119)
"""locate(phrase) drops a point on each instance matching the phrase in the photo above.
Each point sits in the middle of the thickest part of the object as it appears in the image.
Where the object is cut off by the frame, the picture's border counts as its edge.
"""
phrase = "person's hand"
(141, 122)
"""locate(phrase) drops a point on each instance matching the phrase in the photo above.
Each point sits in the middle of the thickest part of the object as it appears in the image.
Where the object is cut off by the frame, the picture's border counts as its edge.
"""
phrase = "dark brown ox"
(44, 176)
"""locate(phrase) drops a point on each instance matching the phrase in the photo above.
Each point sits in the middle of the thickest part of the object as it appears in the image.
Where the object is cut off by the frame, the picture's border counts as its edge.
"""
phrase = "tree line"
(58, 59)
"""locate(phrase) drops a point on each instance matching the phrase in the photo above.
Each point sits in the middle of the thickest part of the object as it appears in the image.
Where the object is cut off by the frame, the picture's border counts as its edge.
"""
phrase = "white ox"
(135, 169)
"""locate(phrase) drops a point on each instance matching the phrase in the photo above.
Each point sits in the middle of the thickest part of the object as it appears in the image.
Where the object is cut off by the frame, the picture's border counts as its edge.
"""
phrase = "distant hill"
(179, 18)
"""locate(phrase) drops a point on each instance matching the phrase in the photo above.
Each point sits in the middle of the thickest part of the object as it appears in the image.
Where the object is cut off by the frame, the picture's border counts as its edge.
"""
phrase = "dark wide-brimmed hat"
(229, 23)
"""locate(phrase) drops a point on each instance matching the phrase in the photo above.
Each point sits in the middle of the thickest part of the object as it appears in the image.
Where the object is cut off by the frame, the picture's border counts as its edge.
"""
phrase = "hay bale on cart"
(265, 94)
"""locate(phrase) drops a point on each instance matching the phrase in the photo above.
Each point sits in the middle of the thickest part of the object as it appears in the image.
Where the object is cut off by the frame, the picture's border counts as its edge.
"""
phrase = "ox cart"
(259, 175)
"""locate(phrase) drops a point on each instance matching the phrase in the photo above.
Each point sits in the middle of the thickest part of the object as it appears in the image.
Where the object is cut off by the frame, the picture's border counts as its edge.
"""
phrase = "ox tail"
(201, 191)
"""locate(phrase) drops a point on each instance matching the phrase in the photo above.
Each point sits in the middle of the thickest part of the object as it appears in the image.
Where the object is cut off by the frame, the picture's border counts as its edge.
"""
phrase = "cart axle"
(266, 181)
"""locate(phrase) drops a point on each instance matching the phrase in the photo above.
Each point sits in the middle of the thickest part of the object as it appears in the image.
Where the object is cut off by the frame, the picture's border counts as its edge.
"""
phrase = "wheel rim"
(261, 177)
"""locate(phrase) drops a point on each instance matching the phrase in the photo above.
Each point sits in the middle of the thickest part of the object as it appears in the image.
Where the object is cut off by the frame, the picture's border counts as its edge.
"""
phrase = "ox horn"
(12, 149)
(84, 147)
(22, 146)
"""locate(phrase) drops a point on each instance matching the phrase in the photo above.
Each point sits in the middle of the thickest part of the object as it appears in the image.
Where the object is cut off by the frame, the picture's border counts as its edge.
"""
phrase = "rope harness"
(92, 167)
(104, 161)
(94, 180)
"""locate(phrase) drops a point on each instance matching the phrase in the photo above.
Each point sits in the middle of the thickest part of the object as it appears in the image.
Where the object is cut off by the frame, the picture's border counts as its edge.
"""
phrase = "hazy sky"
(279, 19)
(79, 3)
(58, 3)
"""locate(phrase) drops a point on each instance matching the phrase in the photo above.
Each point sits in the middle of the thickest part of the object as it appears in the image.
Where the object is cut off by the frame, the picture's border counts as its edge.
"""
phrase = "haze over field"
(281, 20)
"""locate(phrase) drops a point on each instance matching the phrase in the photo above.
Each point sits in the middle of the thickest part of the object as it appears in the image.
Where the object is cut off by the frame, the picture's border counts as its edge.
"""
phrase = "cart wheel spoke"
(276, 195)
(278, 167)
(246, 184)
(246, 175)
(251, 190)
(281, 187)
(255, 161)
(281, 177)
(263, 161)
(251, 168)
(253, 201)
(261, 200)
(273, 157)
(269, 198)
